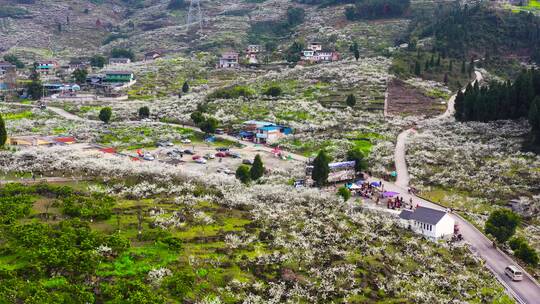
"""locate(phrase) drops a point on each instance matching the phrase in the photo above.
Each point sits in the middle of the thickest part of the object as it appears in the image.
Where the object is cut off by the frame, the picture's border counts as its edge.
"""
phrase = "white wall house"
(432, 223)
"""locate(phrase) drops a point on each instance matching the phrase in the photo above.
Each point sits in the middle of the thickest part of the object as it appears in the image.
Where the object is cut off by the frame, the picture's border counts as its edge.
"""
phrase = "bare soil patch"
(404, 99)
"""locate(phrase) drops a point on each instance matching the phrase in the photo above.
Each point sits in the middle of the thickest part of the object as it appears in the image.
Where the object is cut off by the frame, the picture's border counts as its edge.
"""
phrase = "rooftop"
(258, 122)
(118, 72)
(427, 215)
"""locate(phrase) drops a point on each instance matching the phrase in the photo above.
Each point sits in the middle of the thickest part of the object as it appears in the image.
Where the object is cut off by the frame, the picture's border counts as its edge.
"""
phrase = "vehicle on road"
(188, 152)
(247, 162)
(514, 273)
(209, 156)
(222, 149)
(186, 141)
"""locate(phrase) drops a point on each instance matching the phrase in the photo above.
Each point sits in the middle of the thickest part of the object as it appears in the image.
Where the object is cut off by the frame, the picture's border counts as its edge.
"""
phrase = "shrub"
(233, 92)
(273, 91)
(144, 112)
(344, 193)
(105, 114)
(527, 254)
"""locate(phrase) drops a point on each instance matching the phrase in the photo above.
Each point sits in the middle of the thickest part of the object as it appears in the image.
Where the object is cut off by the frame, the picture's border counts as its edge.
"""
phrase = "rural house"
(119, 61)
(6, 67)
(229, 60)
(265, 132)
(152, 55)
(47, 67)
(119, 76)
(432, 223)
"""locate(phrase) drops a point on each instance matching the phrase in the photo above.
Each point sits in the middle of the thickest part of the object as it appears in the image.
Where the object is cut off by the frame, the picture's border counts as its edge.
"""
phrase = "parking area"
(206, 157)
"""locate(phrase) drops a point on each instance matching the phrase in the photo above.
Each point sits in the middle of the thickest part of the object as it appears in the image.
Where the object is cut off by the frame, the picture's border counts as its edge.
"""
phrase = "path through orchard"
(526, 291)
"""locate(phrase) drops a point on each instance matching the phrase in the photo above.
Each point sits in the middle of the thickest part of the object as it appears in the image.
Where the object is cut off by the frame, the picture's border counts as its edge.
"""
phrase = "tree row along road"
(526, 291)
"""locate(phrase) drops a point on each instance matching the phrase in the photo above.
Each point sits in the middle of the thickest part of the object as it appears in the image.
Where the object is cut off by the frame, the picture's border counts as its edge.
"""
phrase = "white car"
(149, 157)
(225, 170)
(146, 120)
(200, 160)
(186, 141)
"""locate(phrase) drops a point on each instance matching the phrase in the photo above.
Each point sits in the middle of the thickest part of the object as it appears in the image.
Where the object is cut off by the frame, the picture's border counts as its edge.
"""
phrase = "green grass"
(19, 115)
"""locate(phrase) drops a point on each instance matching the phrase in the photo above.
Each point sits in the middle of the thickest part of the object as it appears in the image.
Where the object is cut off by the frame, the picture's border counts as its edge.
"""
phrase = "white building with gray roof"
(432, 223)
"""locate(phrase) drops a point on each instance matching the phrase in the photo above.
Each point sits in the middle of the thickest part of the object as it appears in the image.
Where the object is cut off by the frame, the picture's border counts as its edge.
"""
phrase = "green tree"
(463, 67)
(197, 117)
(320, 169)
(257, 169)
(209, 125)
(13, 59)
(34, 87)
(122, 53)
(144, 112)
(295, 15)
(185, 87)
(360, 161)
(534, 119)
(527, 254)
(356, 54)
(344, 193)
(351, 100)
(80, 75)
(97, 61)
(293, 52)
(105, 114)
(3, 132)
(502, 224)
(451, 66)
(417, 71)
(176, 4)
(243, 174)
(459, 105)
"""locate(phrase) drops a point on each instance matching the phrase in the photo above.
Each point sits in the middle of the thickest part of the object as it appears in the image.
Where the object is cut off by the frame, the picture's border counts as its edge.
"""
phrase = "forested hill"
(479, 30)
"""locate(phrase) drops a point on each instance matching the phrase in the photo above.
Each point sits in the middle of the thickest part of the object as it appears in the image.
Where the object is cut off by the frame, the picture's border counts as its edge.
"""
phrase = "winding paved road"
(526, 291)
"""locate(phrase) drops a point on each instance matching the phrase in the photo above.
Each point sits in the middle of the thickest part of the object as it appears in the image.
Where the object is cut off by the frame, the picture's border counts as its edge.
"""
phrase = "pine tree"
(257, 169)
(320, 169)
(426, 65)
(463, 67)
(451, 66)
(417, 71)
(356, 54)
(351, 100)
(185, 87)
(534, 119)
(432, 60)
(3, 132)
(438, 63)
(459, 105)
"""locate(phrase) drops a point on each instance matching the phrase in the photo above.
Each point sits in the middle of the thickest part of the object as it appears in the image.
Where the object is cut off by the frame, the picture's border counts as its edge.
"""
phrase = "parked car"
(221, 154)
(209, 156)
(247, 162)
(148, 157)
(186, 141)
(188, 152)
(233, 154)
(164, 144)
(200, 160)
(220, 131)
(225, 171)
(222, 149)
(42, 106)
(146, 120)
(196, 157)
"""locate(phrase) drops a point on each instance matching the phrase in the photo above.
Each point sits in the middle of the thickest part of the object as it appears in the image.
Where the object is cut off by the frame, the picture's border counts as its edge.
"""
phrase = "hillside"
(76, 28)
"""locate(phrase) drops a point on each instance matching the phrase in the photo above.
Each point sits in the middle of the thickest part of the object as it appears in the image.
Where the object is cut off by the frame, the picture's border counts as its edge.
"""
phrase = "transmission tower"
(194, 14)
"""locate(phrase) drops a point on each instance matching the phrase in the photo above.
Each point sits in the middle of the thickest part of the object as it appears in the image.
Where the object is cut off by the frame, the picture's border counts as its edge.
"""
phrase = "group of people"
(398, 203)
(366, 190)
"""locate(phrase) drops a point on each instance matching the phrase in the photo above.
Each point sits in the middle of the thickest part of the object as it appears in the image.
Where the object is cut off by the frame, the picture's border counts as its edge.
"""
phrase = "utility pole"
(194, 14)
